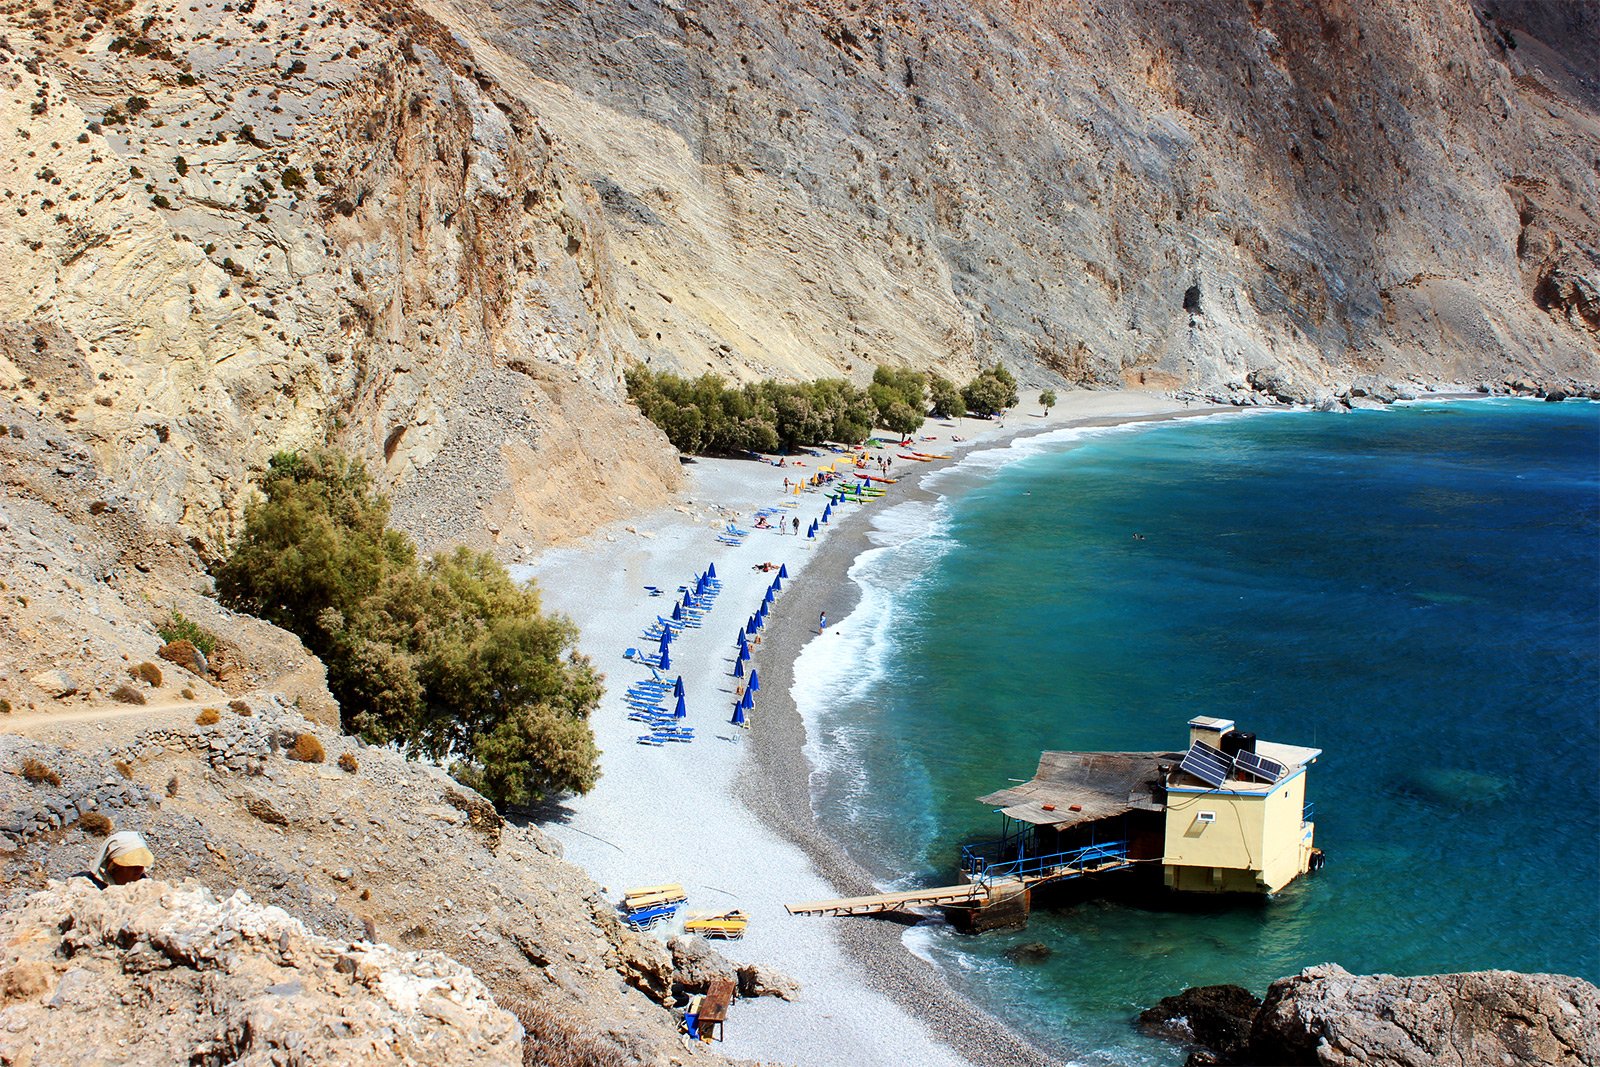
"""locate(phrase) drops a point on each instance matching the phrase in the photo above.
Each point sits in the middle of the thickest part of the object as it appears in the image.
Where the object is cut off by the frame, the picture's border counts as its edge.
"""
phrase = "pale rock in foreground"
(170, 974)
(1325, 1015)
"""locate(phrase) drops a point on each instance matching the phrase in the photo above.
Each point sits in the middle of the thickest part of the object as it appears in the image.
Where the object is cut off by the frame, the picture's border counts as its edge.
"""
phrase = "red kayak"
(874, 478)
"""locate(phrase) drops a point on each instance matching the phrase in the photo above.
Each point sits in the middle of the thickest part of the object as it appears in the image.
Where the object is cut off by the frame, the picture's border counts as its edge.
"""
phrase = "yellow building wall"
(1257, 842)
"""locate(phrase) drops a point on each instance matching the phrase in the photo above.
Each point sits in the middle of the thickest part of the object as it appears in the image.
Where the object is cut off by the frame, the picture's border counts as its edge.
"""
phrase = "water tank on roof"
(1235, 742)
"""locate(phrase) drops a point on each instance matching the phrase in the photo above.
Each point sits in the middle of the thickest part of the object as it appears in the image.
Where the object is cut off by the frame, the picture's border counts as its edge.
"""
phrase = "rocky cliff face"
(435, 231)
(1132, 192)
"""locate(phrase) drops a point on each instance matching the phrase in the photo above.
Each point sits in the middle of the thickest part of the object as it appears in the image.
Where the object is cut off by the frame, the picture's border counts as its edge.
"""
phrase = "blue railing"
(1309, 813)
(981, 863)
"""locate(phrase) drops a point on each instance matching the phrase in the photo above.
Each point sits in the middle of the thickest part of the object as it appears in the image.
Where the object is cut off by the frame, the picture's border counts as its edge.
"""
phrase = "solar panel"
(1268, 770)
(1206, 764)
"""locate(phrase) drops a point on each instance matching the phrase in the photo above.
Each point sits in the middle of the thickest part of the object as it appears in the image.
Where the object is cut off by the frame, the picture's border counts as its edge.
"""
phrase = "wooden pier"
(970, 893)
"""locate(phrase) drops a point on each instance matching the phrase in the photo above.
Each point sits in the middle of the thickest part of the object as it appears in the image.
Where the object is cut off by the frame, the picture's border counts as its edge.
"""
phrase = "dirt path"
(34, 722)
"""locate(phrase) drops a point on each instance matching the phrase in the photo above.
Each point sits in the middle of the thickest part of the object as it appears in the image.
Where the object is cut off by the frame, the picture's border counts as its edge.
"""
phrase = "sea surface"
(1416, 591)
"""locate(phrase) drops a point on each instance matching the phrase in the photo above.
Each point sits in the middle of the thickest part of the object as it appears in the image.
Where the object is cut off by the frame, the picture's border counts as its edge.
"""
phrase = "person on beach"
(822, 622)
(797, 526)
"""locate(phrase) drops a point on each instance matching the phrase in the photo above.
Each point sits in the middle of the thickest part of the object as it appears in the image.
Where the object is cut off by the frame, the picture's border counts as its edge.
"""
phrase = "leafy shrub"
(95, 823)
(127, 694)
(148, 673)
(208, 717)
(180, 165)
(992, 391)
(349, 764)
(124, 768)
(179, 628)
(307, 749)
(39, 772)
(291, 178)
(436, 656)
(946, 399)
(900, 397)
(1047, 399)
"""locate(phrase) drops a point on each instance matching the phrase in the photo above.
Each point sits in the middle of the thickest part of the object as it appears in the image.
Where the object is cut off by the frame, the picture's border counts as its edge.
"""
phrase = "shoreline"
(776, 783)
(730, 814)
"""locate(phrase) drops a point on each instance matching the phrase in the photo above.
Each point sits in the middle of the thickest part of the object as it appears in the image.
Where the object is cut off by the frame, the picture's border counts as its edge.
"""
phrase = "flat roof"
(1100, 784)
(1293, 758)
(1211, 722)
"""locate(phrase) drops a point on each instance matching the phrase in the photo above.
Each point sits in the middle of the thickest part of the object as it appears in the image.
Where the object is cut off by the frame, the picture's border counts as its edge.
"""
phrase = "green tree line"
(448, 657)
(709, 416)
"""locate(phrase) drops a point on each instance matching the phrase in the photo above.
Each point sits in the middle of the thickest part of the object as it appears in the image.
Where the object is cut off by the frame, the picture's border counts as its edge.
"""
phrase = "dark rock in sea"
(1555, 396)
(1031, 952)
(1325, 1015)
(1216, 1017)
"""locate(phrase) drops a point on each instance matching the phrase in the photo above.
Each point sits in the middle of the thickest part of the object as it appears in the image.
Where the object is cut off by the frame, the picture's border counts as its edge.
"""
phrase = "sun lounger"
(646, 918)
(728, 925)
(652, 896)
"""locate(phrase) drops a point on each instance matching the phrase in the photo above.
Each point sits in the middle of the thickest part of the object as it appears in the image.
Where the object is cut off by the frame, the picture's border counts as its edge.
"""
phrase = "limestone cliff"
(1127, 192)
(435, 231)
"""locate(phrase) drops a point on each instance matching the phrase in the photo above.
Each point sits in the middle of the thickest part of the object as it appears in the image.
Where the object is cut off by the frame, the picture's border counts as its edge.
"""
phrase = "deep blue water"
(1416, 591)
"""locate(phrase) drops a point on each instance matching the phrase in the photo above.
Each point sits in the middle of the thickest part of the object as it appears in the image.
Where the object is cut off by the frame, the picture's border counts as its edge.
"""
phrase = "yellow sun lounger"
(653, 896)
(728, 925)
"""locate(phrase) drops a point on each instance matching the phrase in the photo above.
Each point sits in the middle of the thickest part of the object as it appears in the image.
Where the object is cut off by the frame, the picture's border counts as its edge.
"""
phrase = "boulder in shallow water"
(1327, 1016)
(1030, 952)
(1217, 1017)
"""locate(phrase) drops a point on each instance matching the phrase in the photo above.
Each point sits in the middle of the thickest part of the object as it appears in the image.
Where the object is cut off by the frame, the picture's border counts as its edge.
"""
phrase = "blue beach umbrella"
(677, 613)
(744, 653)
(688, 599)
(811, 531)
(783, 570)
(682, 712)
(768, 598)
(666, 658)
(738, 715)
(755, 680)
(738, 667)
(777, 585)
(666, 638)
(748, 701)
(711, 570)
(677, 688)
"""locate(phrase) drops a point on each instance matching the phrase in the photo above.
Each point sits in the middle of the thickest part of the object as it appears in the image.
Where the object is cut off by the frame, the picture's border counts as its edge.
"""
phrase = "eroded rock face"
(235, 982)
(1327, 1016)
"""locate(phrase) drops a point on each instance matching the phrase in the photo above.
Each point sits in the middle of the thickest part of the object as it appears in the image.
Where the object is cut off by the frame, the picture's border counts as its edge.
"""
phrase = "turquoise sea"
(1416, 591)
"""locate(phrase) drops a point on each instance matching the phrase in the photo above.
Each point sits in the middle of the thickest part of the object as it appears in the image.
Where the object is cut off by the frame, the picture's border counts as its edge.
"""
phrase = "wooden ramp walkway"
(881, 902)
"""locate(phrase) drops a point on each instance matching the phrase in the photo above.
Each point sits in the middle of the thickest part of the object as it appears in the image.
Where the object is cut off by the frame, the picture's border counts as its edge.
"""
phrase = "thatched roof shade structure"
(1099, 784)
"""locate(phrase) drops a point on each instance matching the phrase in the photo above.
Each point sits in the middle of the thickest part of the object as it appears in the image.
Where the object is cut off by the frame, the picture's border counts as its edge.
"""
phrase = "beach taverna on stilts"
(1229, 815)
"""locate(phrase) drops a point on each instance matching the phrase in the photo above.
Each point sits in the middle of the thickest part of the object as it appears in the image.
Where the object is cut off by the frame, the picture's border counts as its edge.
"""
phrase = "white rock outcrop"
(156, 973)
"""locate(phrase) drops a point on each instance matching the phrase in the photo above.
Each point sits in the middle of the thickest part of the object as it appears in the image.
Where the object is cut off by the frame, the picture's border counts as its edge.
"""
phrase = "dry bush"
(148, 673)
(349, 764)
(35, 771)
(95, 823)
(172, 786)
(124, 768)
(188, 694)
(307, 749)
(127, 694)
(553, 1040)
(239, 706)
(5, 706)
(208, 717)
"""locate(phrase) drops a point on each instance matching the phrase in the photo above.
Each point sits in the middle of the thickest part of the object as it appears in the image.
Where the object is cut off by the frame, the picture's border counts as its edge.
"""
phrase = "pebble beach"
(729, 814)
